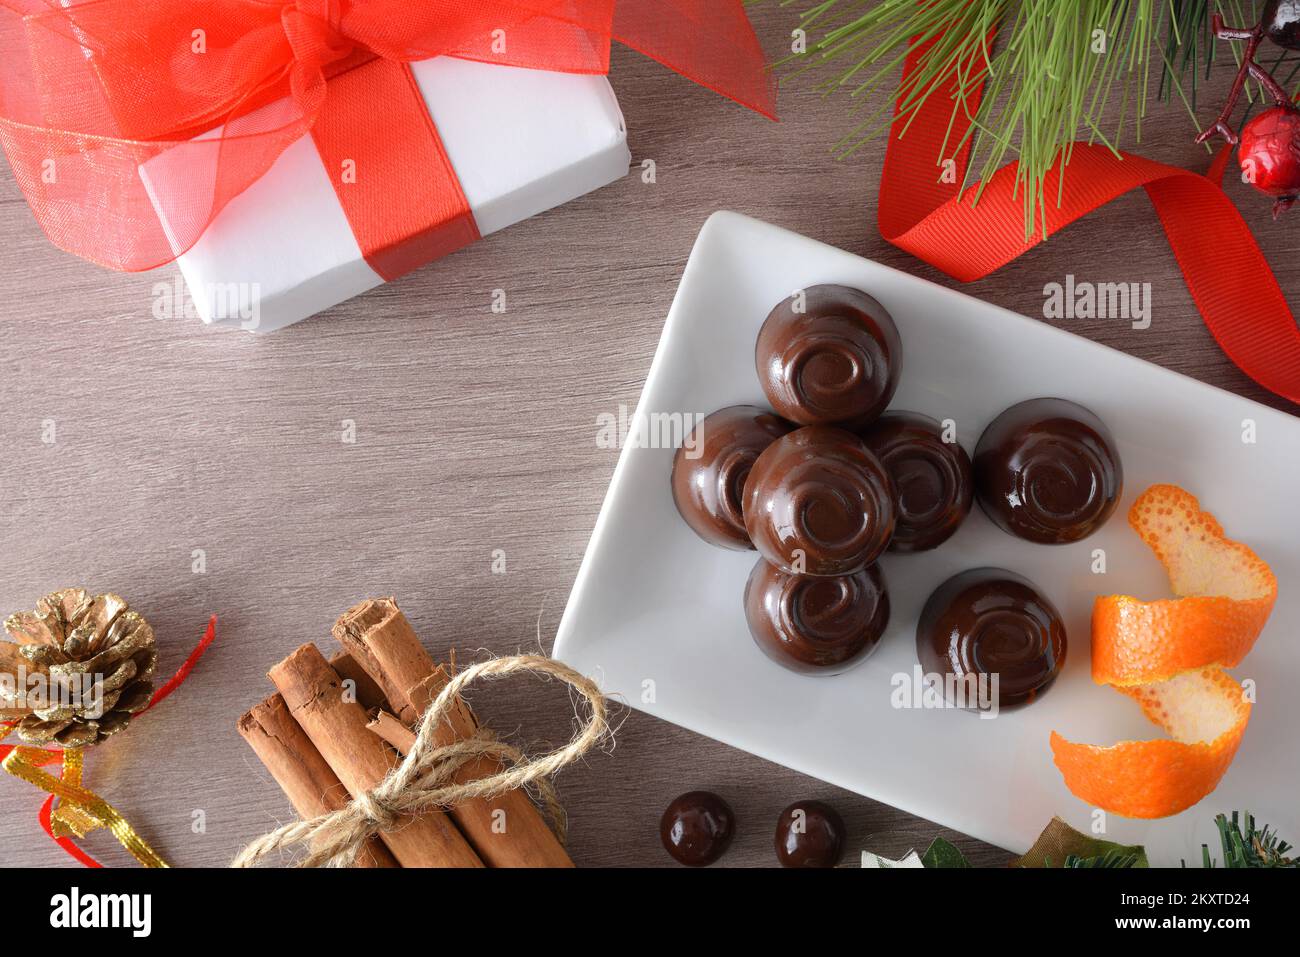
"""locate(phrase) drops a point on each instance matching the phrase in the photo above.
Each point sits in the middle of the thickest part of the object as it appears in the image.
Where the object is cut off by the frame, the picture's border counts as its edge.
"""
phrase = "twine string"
(424, 779)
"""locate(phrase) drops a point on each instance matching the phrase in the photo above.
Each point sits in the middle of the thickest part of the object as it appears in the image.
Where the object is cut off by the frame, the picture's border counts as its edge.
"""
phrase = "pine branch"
(1058, 71)
(1244, 846)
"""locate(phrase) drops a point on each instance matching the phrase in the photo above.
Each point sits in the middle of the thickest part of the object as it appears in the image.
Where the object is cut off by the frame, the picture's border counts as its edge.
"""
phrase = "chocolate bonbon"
(710, 469)
(697, 828)
(931, 477)
(986, 624)
(809, 834)
(1046, 470)
(818, 503)
(816, 625)
(829, 354)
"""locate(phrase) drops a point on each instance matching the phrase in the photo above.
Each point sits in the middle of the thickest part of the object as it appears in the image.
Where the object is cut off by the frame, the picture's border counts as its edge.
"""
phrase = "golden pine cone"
(69, 636)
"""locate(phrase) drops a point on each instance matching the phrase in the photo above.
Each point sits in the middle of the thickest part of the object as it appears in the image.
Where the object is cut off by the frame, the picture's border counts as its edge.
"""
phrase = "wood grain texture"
(475, 432)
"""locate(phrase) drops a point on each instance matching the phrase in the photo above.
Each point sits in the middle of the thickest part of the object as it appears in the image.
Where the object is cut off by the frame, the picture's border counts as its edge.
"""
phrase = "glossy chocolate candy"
(932, 478)
(990, 622)
(1046, 470)
(818, 503)
(697, 828)
(710, 469)
(809, 834)
(816, 625)
(836, 361)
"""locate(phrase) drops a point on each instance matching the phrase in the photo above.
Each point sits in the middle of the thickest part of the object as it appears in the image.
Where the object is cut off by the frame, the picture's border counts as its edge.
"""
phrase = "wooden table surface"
(475, 432)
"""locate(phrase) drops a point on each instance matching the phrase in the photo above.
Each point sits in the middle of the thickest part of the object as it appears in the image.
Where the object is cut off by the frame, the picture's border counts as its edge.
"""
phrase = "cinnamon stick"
(312, 788)
(368, 694)
(393, 731)
(337, 727)
(506, 831)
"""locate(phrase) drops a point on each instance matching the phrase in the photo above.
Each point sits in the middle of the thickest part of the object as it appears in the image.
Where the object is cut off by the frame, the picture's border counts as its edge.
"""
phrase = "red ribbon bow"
(91, 90)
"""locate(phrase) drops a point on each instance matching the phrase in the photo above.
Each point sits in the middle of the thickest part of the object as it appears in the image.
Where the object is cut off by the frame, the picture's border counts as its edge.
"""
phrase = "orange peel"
(1169, 656)
(1225, 594)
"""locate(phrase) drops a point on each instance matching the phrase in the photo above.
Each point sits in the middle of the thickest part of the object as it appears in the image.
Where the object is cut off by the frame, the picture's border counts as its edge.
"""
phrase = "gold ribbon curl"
(80, 811)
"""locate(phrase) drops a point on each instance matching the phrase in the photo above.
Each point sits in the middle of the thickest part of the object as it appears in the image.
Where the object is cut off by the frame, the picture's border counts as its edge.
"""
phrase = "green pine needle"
(1058, 71)
(1113, 858)
(1244, 846)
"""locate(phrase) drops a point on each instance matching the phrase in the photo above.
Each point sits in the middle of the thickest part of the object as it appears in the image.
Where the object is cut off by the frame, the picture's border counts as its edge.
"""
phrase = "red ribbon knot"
(314, 29)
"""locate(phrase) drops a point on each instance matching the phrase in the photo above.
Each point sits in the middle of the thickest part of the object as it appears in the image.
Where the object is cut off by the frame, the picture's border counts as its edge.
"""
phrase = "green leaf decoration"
(942, 853)
(1060, 842)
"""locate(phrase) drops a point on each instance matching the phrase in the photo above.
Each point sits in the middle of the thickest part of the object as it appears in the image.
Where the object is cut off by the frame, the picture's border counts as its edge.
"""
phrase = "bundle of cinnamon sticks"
(336, 727)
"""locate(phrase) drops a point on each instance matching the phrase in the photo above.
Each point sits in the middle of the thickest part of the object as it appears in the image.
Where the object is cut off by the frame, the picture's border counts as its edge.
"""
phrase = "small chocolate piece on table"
(697, 828)
(809, 834)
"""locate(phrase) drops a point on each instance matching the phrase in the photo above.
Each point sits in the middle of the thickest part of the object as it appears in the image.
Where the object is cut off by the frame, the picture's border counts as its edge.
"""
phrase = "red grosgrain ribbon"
(1227, 275)
(92, 90)
(78, 818)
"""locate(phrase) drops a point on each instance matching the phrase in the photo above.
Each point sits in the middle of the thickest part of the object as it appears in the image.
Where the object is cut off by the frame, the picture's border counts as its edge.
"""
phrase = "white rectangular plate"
(655, 614)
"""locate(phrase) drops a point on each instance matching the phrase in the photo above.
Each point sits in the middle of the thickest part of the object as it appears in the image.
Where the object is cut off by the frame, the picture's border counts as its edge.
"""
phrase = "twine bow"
(423, 779)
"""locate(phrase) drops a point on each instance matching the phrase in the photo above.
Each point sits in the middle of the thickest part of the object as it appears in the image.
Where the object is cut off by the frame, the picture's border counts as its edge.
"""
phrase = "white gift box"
(521, 142)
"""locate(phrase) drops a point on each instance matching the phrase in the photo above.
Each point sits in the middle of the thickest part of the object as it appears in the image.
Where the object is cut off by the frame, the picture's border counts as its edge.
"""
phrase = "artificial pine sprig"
(1248, 847)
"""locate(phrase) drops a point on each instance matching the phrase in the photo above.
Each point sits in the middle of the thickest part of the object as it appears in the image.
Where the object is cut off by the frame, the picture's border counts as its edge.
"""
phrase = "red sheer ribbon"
(1227, 275)
(91, 90)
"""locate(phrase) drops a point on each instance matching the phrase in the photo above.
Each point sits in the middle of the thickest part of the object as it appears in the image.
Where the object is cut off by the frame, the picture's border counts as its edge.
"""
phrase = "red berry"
(1270, 154)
